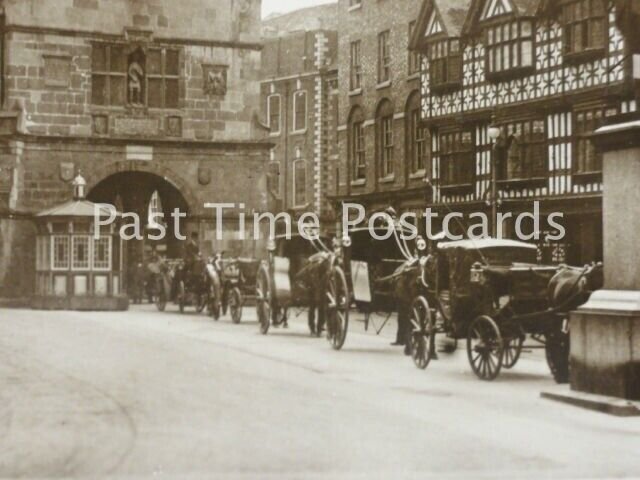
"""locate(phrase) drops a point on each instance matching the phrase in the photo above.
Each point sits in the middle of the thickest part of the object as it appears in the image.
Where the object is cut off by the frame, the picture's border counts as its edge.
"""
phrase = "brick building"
(547, 74)
(382, 155)
(153, 101)
(298, 78)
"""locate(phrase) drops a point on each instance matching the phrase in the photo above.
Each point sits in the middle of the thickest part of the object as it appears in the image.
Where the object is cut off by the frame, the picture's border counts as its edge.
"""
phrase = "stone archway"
(99, 175)
(134, 191)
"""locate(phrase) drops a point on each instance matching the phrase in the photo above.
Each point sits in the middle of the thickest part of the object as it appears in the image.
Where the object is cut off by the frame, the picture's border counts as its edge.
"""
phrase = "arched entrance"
(142, 193)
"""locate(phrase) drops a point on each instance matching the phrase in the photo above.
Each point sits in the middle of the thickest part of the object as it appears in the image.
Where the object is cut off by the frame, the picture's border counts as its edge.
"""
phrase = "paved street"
(179, 396)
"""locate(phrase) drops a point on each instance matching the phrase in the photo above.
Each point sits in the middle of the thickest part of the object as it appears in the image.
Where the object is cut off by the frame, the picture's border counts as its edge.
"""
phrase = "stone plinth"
(605, 333)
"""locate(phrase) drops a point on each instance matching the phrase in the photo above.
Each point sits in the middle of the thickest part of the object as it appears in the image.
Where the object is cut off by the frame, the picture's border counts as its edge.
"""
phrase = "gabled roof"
(481, 8)
(450, 13)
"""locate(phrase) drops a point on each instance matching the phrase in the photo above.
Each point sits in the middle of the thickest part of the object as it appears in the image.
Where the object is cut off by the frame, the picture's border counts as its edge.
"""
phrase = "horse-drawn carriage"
(494, 294)
(232, 275)
(186, 285)
(301, 272)
(377, 262)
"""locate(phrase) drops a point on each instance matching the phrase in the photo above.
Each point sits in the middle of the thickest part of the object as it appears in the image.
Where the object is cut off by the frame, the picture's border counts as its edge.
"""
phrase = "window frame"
(296, 202)
(414, 63)
(582, 141)
(384, 57)
(386, 145)
(446, 59)
(586, 23)
(86, 240)
(454, 156)
(497, 45)
(419, 144)
(108, 74)
(94, 262)
(67, 242)
(296, 96)
(163, 77)
(531, 148)
(270, 115)
(355, 72)
(357, 151)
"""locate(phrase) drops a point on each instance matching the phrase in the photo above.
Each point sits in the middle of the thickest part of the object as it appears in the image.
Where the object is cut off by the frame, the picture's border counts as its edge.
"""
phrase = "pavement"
(147, 394)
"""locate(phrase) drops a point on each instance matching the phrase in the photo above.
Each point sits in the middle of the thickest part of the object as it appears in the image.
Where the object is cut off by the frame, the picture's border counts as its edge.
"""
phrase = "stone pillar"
(605, 333)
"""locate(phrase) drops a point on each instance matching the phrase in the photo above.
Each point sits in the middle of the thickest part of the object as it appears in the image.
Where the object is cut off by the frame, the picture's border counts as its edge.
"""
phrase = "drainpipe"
(2, 56)
(285, 131)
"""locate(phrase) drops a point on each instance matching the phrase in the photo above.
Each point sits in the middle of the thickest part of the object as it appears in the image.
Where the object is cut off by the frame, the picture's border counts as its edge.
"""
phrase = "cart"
(302, 272)
(494, 295)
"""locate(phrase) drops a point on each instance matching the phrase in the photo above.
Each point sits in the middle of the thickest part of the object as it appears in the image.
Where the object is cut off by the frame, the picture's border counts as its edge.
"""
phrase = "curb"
(599, 403)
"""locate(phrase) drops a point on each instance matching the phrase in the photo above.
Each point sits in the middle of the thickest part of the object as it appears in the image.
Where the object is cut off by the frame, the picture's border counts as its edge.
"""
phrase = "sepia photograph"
(320, 239)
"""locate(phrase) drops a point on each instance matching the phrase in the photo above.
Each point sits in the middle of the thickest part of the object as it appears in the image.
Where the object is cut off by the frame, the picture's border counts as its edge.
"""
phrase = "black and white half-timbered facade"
(547, 73)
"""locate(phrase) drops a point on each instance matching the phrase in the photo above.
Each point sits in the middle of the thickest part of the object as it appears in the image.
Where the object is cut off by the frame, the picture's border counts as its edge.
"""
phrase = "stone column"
(605, 333)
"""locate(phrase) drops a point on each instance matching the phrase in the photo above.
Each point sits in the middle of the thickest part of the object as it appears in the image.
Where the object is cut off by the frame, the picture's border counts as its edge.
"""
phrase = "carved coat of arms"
(215, 79)
(67, 171)
(204, 175)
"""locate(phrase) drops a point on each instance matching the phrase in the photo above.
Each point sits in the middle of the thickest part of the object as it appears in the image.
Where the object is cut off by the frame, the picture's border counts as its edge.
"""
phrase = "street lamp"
(494, 134)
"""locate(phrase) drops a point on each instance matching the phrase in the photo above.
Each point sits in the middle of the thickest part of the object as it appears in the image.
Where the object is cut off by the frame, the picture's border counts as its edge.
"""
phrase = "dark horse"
(571, 287)
(311, 280)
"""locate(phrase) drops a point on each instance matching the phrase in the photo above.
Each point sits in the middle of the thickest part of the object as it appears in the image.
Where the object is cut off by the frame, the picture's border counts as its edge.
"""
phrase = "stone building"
(319, 17)
(382, 153)
(546, 74)
(298, 81)
(153, 101)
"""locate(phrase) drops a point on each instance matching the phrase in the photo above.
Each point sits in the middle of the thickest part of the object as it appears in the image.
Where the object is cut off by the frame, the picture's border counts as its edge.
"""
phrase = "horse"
(572, 287)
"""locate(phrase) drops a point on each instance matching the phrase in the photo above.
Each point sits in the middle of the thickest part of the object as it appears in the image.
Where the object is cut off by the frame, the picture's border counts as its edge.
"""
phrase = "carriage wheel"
(161, 297)
(557, 349)
(512, 351)
(484, 348)
(338, 308)
(235, 305)
(182, 300)
(263, 298)
(423, 335)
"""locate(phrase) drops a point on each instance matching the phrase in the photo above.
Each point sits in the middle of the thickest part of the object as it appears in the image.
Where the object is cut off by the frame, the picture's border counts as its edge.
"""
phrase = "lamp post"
(494, 135)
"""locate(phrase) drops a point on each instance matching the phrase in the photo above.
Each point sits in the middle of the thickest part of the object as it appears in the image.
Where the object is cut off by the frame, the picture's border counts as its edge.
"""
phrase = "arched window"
(299, 180)
(417, 136)
(357, 158)
(155, 212)
(384, 138)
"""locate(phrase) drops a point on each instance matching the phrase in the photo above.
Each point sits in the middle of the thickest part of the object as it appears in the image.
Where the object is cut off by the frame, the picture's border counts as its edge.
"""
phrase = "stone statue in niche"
(135, 78)
(215, 79)
(244, 15)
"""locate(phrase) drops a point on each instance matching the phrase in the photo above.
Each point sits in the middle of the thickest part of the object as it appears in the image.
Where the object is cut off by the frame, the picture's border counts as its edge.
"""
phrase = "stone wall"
(64, 107)
(220, 20)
